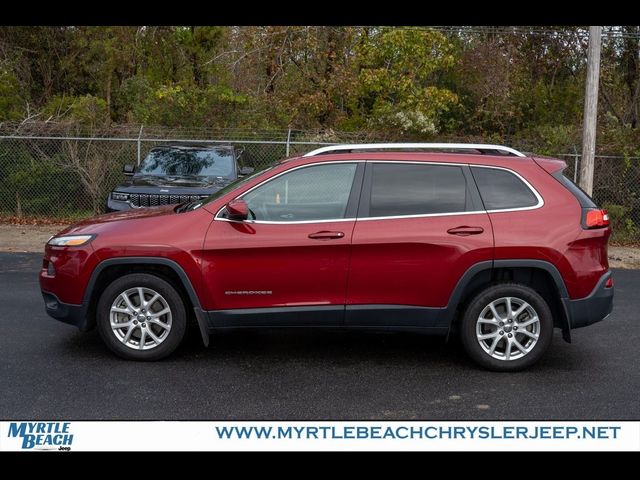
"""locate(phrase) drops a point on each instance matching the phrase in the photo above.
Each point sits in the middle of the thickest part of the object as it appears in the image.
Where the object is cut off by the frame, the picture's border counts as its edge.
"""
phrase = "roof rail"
(481, 147)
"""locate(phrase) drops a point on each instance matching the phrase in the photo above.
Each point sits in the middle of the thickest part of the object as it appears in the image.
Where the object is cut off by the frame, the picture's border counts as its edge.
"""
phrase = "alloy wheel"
(508, 328)
(140, 318)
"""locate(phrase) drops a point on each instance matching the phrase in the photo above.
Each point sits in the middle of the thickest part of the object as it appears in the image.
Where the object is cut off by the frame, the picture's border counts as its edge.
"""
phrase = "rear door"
(420, 227)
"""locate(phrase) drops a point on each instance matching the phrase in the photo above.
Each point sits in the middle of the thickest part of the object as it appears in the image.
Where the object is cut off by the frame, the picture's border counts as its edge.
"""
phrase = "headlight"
(70, 240)
(121, 197)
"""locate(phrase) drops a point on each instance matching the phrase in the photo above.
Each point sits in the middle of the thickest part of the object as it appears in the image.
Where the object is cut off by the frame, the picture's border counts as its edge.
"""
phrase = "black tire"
(174, 301)
(482, 300)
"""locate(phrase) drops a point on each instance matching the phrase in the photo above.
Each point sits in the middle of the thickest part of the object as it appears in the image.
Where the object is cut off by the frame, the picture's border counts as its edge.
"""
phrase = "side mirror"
(237, 209)
(128, 169)
(246, 171)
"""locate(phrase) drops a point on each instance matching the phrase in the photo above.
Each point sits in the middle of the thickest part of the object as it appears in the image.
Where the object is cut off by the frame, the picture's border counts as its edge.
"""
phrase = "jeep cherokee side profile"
(479, 240)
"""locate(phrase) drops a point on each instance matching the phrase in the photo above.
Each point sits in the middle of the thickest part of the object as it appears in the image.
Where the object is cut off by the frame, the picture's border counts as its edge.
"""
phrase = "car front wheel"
(141, 317)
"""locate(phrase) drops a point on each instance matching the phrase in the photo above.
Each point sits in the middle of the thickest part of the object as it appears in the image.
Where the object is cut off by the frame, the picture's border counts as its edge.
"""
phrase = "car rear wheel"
(507, 327)
(141, 317)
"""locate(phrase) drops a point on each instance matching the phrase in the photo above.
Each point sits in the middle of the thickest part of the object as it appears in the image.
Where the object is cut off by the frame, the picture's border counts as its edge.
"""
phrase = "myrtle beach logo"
(42, 435)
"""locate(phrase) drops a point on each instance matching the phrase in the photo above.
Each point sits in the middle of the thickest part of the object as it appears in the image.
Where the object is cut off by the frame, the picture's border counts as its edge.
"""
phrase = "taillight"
(608, 283)
(594, 218)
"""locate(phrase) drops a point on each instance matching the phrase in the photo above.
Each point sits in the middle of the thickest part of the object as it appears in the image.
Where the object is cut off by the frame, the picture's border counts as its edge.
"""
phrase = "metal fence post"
(288, 142)
(575, 165)
(139, 138)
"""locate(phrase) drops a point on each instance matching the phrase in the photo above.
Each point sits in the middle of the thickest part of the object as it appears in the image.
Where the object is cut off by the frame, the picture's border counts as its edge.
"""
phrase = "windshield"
(191, 162)
(223, 191)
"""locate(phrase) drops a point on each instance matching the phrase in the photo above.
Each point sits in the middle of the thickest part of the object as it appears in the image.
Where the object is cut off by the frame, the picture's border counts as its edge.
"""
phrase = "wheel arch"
(540, 275)
(165, 268)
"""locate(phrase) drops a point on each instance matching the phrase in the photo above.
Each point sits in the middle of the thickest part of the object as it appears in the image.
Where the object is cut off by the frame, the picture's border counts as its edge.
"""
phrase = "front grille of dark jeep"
(154, 200)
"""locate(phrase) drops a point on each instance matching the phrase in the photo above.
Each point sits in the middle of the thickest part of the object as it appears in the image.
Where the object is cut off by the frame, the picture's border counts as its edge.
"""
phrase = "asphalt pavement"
(50, 371)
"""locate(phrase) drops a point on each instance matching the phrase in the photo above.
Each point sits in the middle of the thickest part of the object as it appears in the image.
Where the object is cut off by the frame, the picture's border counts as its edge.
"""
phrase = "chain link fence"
(53, 175)
(69, 178)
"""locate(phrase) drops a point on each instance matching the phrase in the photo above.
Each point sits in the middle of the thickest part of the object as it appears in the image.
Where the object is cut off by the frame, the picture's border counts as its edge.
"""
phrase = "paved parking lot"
(49, 370)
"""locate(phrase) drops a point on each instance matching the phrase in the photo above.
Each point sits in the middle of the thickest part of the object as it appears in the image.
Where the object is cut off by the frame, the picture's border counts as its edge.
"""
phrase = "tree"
(398, 73)
(12, 103)
(516, 82)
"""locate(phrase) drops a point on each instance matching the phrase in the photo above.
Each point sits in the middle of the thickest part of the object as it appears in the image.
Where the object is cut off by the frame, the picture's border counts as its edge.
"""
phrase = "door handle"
(464, 230)
(326, 235)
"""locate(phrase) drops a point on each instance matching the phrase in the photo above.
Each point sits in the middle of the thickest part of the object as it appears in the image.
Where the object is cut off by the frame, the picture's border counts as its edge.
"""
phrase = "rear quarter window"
(502, 190)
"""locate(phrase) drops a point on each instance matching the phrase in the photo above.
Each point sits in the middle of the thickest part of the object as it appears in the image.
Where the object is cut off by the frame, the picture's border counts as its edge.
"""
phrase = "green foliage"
(398, 79)
(134, 99)
(11, 101)
(30, 186)
(86, 110)
(549, 139)
(624, 228)
(174, 105)
(553, 104)
(403, 81)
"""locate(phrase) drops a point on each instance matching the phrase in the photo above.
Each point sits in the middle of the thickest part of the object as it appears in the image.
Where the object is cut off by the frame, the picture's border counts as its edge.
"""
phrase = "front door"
(288, 264)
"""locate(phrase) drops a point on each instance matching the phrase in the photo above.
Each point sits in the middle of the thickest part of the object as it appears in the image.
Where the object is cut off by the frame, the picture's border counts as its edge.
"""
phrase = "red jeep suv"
(479, 240)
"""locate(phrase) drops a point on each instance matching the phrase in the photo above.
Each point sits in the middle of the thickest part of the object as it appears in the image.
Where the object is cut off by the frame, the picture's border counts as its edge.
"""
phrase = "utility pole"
(590, 110)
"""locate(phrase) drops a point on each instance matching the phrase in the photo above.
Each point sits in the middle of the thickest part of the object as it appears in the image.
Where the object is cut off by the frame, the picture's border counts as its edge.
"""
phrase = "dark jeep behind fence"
(176, 173)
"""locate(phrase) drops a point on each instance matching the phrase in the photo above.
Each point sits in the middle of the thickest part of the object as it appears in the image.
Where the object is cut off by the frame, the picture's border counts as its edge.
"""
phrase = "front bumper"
(595, 307)
(72, 314)
(63, 289)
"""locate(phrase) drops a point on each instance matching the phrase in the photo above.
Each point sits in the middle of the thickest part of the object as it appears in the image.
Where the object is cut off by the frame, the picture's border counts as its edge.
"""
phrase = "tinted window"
(411, 189)
(189, 162)
(501, 189)
(312, 193)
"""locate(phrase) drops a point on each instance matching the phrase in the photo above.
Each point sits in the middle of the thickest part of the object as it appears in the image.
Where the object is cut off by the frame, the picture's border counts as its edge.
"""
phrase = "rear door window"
(400, 189)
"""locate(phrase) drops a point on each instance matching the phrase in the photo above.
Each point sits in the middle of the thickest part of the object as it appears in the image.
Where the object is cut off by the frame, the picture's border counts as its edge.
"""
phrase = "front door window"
(319, 192)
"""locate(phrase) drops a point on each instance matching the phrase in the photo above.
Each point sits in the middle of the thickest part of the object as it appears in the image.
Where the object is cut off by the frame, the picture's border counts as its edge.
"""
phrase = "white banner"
(319, 436)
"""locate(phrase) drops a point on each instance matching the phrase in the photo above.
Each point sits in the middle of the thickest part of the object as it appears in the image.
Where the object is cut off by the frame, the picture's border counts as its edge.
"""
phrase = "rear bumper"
(72, 314)
(593, 308)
